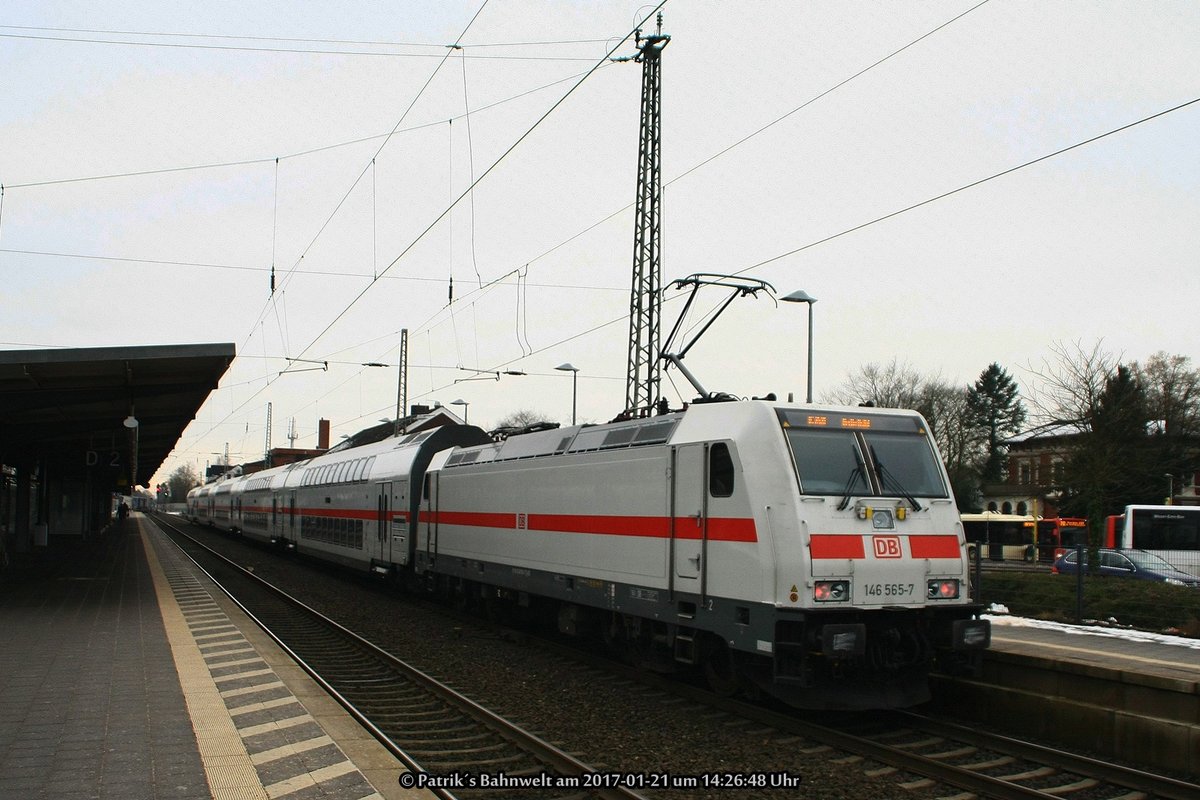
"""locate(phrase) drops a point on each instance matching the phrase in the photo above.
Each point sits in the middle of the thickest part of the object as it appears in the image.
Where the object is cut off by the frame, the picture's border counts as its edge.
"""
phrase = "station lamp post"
(801, 296)
(568, 367)
(465, 404)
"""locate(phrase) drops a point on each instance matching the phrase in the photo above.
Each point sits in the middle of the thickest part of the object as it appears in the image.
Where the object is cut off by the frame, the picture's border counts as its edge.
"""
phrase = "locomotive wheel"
(720, 669)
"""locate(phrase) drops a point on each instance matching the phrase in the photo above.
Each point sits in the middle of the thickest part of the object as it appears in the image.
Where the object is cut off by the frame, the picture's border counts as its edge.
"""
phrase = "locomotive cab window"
(720, 471)
(864, 457)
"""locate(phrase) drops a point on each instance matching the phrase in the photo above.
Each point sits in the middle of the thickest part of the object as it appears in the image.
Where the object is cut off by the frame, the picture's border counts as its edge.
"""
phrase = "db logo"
(887, 546)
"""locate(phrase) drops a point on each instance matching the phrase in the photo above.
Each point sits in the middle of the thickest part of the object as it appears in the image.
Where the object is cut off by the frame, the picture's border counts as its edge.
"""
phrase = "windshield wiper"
(855, 473)
(885, 476)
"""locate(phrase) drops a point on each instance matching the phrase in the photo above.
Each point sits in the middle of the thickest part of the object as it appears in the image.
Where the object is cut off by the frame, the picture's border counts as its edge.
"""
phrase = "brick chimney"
(323, 434)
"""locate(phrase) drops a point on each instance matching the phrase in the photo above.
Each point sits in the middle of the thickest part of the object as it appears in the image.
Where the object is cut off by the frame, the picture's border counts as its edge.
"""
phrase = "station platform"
(125, 673)
(1117, 693)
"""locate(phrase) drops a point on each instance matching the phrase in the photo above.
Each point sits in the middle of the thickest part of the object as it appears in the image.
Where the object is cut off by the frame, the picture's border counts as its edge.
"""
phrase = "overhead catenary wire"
(399, 122)
(437, 220)
(967, 186)
(298, 154)
(724, 151)
(615, 213)
(602, 62)
(682, 175)
(177, 34)
(946, 194)
(293, 50)
(261, 269)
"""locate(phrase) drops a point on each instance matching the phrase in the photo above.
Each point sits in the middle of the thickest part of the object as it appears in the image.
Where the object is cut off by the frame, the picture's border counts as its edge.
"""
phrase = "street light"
(574, 384)
(466, 406)
(801, 296)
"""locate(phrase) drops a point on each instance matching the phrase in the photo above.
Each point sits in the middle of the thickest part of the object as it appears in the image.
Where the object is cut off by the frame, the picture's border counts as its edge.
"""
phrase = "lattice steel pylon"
(645, 297)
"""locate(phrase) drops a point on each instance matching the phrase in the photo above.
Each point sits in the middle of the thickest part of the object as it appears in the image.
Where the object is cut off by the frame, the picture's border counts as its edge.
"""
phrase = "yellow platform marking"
(227, 765)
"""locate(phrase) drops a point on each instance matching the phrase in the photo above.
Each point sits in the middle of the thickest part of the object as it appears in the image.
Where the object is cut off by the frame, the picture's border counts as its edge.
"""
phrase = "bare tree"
(892, 385)
(521, 418)
(1172, 393)
(1071, 385)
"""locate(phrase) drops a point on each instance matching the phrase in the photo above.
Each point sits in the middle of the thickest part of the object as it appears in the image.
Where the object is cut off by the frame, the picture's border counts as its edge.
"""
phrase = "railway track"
(431, 728)
(947, 759)
(920, 756)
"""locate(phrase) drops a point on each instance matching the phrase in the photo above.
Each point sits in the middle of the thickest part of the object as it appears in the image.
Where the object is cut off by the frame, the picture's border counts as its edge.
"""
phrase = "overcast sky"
(143, 203)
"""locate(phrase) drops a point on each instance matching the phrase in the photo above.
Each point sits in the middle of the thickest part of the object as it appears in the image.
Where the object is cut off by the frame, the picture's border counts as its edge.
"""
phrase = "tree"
(1172, 390)
(1111, 464)
(994, 405)
(944, 407)
(1172, 394)
(182, 481)
(520, 419)
(891, 385)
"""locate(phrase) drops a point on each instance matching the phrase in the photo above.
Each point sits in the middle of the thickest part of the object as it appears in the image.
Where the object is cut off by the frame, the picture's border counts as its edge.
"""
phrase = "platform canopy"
(115, 411)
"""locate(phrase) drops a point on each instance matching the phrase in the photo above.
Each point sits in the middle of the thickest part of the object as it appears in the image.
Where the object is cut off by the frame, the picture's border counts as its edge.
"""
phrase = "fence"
(1038, 593)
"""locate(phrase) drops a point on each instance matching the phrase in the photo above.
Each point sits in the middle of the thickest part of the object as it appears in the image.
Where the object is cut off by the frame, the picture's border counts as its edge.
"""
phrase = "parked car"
(1127, 563)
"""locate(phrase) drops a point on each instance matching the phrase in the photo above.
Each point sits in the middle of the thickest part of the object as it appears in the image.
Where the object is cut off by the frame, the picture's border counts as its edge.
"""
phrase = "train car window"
(720, 471)
(425, 489)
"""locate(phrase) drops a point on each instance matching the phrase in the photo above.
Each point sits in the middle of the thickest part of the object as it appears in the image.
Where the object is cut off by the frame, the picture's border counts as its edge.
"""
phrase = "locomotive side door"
(689, 517)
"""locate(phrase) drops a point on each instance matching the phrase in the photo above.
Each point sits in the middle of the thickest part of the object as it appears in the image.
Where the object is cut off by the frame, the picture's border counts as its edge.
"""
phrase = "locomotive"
(813, 553)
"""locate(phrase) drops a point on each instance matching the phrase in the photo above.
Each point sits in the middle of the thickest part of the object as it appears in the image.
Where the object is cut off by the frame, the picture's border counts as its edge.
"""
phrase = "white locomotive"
(815, 553)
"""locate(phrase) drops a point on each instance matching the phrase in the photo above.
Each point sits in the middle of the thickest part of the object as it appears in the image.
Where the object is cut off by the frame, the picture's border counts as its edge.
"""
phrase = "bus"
(1170, 532)
(1056, 535)
(999, 537)
(1021, 537)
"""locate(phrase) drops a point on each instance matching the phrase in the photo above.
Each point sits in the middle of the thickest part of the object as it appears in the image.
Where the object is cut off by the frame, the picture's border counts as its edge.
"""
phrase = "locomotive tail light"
(972, 634)
(831, 591)
(843, 641)
(943, 589)
(865, 512)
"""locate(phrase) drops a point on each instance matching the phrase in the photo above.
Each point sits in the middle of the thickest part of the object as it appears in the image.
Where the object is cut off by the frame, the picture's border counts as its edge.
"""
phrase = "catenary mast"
(645, 300)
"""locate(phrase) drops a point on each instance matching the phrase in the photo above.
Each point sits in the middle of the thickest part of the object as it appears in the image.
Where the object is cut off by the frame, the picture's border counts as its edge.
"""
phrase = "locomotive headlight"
(943, 589)
(881, 519)
(831, 591)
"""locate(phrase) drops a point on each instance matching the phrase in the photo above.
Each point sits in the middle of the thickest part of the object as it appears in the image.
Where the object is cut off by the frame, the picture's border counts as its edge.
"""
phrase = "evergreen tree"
(1113, 462)
(996, 408)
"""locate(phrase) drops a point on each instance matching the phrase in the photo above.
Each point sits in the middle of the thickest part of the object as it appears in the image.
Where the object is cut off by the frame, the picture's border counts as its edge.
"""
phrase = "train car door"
(400, 529)
(291, 517)
(430, 504)
(383, 514)
(689, 519)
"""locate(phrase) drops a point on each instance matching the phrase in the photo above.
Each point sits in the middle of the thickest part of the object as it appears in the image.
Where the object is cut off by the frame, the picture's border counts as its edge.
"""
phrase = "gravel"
(608, 722)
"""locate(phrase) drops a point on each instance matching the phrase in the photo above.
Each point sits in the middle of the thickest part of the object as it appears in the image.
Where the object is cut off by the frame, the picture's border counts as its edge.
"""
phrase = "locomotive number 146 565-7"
(889, 589)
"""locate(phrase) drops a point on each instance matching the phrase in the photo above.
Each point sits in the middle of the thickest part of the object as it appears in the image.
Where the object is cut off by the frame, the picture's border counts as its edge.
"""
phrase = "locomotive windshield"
(862, 455)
